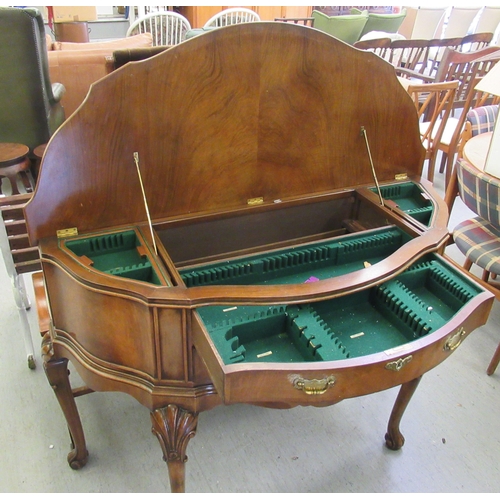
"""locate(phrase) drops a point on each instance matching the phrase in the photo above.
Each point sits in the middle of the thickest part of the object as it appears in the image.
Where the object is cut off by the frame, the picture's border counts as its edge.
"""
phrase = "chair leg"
(494, 362)
(431, 166)
(467, 264)
(485, 276)
(451, 189)
(444, 159)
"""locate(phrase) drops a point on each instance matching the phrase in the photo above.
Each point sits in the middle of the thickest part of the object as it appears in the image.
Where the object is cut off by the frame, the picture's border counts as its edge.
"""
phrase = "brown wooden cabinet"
(293, 255)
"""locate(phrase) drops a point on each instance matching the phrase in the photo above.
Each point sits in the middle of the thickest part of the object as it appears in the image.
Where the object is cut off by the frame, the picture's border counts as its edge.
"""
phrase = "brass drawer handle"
(453, 341)
(395, 366)
(314, 386)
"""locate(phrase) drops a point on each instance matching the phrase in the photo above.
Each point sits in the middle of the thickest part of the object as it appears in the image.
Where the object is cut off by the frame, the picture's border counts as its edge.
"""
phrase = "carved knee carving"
(174, 427)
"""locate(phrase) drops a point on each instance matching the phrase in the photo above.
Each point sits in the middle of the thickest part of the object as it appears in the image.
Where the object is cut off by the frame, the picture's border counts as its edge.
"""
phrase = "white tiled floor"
(452, 430)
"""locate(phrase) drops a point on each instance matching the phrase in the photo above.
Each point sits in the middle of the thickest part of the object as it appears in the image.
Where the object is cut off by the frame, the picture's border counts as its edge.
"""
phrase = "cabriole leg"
(394, 440)
(57, 374)
(174, 427)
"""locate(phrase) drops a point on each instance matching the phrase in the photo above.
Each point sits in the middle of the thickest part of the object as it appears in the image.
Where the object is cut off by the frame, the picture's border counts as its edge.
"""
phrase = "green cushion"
(346, 28)
(388, 23)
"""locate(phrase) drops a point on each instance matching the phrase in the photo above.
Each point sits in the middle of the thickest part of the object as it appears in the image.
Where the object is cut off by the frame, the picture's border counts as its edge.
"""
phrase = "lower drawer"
(407, 321)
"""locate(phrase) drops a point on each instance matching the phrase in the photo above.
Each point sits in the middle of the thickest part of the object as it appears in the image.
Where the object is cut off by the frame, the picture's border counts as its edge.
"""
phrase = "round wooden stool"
(13, 161)
(38, 152)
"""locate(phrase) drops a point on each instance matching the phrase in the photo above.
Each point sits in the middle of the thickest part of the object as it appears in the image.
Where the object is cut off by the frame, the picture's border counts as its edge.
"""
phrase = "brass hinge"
(401, 177)
(66, 233)
(255, 201)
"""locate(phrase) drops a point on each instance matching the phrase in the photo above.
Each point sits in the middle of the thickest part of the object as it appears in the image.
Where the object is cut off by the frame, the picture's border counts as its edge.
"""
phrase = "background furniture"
(30, 104)
(235, 15)
(124, 56)
(379, 46)
(421, 23)
(467, 68)
(387, 23)
(166, 27)
(14, 161)
(78, 65)
(19, 258)
(434, 103)
(479, 120)
(199, 15)
(458, 22)
(488, 21)
(478, 238)
(346, 28)
(306, 21)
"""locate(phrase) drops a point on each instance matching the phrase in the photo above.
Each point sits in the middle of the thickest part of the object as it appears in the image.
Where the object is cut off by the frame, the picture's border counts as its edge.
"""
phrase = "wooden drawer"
(322, 352)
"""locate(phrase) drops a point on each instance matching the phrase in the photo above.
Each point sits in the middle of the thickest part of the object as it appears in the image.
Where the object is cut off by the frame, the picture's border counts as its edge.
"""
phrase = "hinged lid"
(257, 110)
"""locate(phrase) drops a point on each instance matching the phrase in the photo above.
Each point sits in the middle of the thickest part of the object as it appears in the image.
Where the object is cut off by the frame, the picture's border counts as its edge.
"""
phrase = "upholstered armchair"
(346, 28)
(30, 109)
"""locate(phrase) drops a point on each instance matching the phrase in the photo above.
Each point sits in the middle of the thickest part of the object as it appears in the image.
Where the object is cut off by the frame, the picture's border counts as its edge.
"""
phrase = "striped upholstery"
(482, 119)
(479, 238)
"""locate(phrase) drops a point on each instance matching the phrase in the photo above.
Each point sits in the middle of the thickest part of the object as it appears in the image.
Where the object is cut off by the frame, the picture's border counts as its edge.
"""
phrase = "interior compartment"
(303, 263)
(411, 199)
(120, 254)
(264, 228)
(419, 301)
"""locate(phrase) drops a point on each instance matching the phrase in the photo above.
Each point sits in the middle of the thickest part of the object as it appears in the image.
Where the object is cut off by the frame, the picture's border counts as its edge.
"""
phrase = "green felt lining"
(419, 301)
(116, 254)
(411, 199)
(319, 261)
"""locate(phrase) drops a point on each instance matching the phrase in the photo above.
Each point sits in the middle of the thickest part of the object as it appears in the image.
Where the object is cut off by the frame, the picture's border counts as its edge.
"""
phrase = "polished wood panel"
(244, 128)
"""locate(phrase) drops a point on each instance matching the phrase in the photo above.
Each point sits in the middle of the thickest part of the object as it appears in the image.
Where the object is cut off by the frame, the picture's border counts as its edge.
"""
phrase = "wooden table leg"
(58, 376)
(394, 440)
(174, 427)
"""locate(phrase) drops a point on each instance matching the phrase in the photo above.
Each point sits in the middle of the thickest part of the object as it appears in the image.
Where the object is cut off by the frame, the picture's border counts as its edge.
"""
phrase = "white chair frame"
(166, 27)
(234, 15)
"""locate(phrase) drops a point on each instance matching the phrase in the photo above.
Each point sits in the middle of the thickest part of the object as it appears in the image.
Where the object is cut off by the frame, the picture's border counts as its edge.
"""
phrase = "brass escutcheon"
(395, 366)
(453, 341)
(314, 386)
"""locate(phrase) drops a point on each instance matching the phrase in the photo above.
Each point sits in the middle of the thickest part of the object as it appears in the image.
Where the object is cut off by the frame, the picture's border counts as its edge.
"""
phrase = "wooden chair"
(379, 46)
(19, 258)
(466, 67)
(417, 58)
(475, 41)
(306, 21)
(235, 15)
(166, 27)
(410, 55)
(434, 103)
